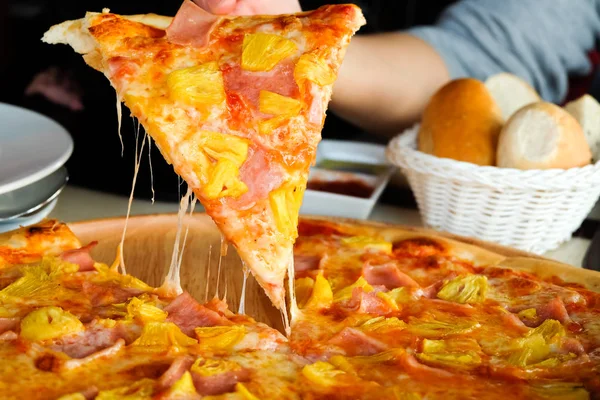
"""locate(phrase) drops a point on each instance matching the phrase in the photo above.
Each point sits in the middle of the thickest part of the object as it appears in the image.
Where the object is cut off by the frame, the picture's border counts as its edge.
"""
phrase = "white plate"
(29, 220)
(32, 146)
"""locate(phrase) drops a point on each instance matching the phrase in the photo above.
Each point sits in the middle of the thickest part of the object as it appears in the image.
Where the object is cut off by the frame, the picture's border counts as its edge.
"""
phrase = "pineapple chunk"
(314, 69)
(437, 329)
(368, 243)
(201, 85)
(389, 300)
(285, 205)
(37, 286)
(72, 396)
(303, 288)
(224, 181)
(220, 337)
(220, 146)
(346, 293)
(222, 178)
(182, 389)
(49, 323)
(530, 313)
(139, 309)
(321, 296)
(210, 367)
(465, 289)
(382, 324)
(461, 353)
(561, 390)
(263, 51)
(322, 373)
(276, 104)
(383, 357)
(108, 275)
(265, 127)
(162, 336)
(399, 393)
(550, 330)
(399, 295)
(243, 390)
(140, 390)
(533, 349)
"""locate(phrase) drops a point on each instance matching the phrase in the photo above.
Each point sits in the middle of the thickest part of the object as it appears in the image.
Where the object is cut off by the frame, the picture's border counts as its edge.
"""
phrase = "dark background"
(96, 162)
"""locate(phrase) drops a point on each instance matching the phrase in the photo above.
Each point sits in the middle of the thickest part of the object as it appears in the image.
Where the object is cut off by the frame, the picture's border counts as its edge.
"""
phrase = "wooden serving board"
(149, 246)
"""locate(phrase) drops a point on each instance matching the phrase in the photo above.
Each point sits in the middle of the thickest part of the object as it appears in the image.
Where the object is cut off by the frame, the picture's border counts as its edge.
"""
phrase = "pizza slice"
(235, 104)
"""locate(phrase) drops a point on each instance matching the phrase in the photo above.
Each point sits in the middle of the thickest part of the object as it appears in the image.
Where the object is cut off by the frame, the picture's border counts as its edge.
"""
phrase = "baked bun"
(542, 136)
(462, 122)
(586, 111)
(511, 93)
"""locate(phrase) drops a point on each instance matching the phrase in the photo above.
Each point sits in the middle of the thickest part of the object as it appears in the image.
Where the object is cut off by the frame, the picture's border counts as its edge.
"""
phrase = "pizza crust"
(476, 251)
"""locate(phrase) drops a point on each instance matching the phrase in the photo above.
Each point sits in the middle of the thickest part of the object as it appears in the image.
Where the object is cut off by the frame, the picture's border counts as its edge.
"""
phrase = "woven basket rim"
(403, 147)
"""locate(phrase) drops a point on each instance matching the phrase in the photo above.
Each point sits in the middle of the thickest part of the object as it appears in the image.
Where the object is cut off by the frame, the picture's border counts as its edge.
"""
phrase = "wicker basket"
(534, 210)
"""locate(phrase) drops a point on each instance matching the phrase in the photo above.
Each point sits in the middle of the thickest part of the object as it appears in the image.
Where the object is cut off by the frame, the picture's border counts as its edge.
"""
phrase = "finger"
(217, 6)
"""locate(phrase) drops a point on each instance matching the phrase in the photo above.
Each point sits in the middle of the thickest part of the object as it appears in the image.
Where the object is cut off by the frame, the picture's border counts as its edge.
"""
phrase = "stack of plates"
(33, 151)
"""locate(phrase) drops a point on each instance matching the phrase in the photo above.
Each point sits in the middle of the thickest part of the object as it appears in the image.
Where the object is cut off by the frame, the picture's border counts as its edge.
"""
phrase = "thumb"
(217, 6)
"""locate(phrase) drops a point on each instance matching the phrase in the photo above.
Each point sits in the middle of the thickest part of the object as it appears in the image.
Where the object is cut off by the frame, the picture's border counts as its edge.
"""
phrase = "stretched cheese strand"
(138, 160)
(218, 277)
(224, 246)
(294, 310)
(119, 117)
(150, 165)
(172, 282)
(207, 273)
(187, 228)
(242, 308)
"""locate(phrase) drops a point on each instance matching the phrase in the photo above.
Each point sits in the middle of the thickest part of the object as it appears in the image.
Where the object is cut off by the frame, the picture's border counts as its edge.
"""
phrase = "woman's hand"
(250, 7)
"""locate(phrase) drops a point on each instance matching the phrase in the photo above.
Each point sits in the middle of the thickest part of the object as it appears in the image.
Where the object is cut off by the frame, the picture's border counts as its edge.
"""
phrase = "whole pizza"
(237, 104)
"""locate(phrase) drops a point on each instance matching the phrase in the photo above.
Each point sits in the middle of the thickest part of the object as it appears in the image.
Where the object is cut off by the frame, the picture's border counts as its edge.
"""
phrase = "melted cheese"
(119, 118)
(242, 307)
(150, 165)
(207, 273)
(138, 160)
(172, 281)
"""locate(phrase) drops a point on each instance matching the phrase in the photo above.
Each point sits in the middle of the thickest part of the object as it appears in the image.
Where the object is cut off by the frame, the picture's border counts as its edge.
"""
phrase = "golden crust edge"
(476, 251)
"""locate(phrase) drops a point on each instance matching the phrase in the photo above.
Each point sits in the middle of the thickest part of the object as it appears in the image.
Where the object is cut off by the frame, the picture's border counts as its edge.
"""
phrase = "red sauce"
(354, 188)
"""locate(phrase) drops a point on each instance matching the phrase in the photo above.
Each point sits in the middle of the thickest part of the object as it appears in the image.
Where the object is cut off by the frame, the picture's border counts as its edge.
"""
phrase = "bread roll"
(461, 122)
(542, 136)
(586, 111)
(511, 93)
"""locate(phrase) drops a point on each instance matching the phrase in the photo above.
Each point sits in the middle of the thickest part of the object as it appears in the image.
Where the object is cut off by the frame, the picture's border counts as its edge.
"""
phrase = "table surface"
(79, 204)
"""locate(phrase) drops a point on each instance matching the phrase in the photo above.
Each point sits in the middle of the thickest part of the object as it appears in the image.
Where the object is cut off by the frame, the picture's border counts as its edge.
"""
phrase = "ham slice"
(96, 337)
(81, 257)
(192, 25)
(366, 302)
(187, 314)
(174, 373)
(248, 84)
(108, 352)
(8, 336)
(303, 263)
(8, 324)
(103, 295)
(260, 175)
(388, 275)
(219, 383)
(357, 343)
(422, 371)
(554, 309)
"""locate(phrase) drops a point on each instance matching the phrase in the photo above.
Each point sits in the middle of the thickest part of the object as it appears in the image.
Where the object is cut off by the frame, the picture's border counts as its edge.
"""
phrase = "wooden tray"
(149, 246)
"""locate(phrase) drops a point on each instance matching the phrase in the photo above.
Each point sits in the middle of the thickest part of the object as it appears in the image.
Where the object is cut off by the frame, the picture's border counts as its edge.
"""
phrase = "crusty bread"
(586, 111)
(461, 122)
(542, 136)
(511, 93)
